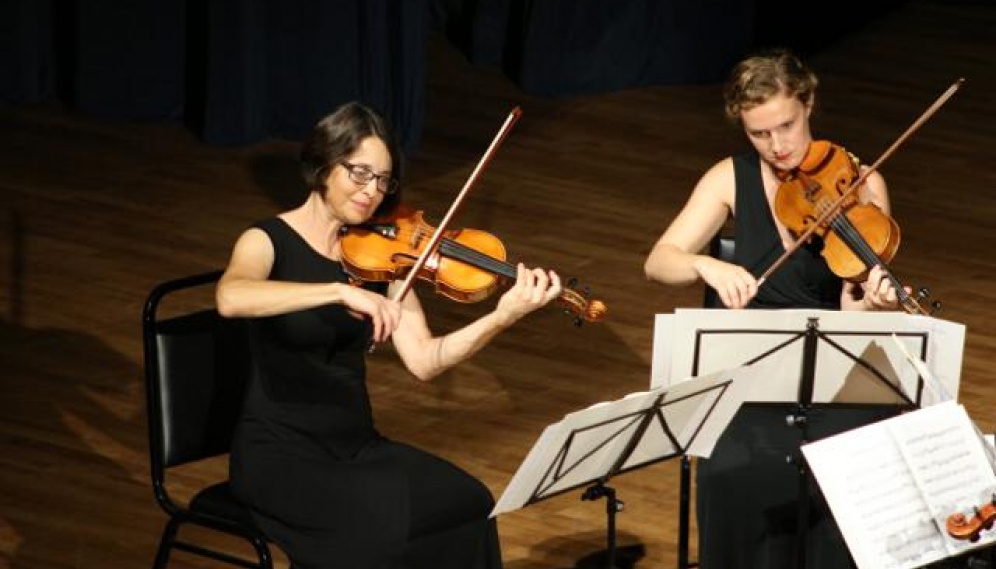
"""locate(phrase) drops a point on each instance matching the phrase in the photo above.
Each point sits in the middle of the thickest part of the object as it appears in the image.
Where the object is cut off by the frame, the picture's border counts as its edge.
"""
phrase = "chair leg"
(166, 543)
(263, 552)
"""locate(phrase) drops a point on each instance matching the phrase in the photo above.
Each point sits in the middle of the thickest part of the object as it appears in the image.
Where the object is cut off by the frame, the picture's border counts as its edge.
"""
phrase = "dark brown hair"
(337, 136)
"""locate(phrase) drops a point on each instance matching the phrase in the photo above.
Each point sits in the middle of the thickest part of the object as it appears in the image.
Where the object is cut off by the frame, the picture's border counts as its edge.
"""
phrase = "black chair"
(720, 247)
(196, 368)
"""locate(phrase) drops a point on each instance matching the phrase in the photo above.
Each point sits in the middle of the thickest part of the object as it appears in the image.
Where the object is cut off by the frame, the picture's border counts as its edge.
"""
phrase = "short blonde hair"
(758, 78)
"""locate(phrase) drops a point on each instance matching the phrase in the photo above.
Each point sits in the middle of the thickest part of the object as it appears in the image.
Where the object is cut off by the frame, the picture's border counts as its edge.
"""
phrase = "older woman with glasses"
(306, 459)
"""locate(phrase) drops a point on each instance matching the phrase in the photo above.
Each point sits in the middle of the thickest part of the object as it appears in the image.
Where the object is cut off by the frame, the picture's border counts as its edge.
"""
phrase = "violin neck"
(460, 252)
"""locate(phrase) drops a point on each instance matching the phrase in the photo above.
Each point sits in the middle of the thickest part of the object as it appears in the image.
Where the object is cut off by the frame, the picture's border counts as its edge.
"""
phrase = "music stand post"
(807, 384)
(613, 506)
(599, 490)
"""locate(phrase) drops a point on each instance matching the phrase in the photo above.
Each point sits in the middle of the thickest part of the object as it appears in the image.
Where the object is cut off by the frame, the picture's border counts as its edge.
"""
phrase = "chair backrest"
(722, 248)
(197, 365)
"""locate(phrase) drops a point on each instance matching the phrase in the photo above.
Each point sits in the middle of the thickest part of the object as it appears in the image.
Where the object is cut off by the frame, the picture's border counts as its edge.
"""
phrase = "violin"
(855, 239)
(816, 197)
(467, 266)
(960, 526)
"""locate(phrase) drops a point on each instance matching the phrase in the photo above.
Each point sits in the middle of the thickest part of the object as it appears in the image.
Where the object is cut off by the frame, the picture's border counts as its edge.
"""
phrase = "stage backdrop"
(238, 71)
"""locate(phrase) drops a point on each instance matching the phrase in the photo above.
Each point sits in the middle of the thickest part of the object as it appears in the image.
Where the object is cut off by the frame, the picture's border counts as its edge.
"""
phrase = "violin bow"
(832, 209)
(430, 247)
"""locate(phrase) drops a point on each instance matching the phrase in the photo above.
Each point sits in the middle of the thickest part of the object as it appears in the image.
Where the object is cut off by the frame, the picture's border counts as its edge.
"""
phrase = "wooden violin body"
(387, 252)
(859, 235)
(818, 198)
(467, 266)
(835, 168)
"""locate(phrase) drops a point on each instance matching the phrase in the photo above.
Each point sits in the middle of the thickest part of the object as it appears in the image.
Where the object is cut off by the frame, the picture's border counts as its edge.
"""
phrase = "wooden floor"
(93, 214)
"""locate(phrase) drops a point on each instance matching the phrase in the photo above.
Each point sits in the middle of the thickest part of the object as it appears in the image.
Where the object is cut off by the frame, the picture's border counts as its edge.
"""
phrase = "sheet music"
(934, 384)
(701, 341)
(605, 439)
(891, 485)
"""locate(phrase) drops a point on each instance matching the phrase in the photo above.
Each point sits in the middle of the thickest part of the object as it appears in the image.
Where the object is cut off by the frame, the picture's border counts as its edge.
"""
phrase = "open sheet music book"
(891, 485)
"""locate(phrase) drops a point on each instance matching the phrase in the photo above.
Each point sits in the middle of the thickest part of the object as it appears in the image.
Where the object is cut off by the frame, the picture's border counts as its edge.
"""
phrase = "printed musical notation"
(892, 484)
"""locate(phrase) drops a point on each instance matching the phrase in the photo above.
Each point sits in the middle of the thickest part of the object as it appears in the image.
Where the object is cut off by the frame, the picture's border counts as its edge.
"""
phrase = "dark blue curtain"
(566, 47)
(235, 71)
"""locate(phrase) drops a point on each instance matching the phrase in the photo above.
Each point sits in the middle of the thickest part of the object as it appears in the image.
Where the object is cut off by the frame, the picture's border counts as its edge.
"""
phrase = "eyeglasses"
(361, 175)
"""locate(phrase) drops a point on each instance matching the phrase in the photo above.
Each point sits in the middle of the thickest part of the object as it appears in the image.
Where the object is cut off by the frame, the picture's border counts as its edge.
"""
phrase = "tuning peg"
(922, 294)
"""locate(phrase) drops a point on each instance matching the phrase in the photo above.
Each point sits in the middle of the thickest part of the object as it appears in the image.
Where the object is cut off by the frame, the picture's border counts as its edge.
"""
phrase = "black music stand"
(592, 445)
(802, 345)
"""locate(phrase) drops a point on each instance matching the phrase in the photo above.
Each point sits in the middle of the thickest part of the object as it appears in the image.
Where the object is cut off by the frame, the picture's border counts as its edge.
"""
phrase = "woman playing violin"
(747, 494)
(772, 97)
(306, 459)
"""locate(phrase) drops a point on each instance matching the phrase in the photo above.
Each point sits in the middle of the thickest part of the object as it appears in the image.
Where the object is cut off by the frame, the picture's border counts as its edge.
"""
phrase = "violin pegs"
(922, 294)
(572, 282)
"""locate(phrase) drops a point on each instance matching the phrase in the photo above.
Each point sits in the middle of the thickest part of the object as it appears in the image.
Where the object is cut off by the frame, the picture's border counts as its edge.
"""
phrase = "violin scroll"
(577, 303)
(960, 526)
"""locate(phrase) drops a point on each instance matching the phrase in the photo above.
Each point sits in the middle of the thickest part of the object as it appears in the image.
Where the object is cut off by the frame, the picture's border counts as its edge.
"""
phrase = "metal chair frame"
(172, 444)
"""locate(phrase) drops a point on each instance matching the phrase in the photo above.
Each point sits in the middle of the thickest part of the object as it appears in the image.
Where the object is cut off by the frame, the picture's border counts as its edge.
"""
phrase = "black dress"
(307, 460)
(748, 491)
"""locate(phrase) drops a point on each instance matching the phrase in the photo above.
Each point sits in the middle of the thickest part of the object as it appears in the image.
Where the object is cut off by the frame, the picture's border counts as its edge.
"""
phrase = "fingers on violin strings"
(881, 287)
(523, 275)
(541, 282)
(890, 294)
(555, 286)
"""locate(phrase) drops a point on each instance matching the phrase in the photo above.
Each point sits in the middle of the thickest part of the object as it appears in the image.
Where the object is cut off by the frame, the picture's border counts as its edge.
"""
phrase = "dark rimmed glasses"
(361, 175)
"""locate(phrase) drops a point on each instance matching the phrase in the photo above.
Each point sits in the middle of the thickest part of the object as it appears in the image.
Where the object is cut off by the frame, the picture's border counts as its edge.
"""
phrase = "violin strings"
(843, 226)
(452, 248)
(457, 250)
(480, 260)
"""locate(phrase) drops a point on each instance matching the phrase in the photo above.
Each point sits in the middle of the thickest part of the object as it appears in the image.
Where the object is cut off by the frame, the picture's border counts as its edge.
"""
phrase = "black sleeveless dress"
(306, 458)
(747, 498)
